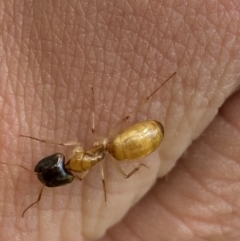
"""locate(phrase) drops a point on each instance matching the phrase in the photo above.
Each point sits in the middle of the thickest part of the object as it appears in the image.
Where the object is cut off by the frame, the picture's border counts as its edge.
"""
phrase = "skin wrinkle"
(132, 58)
(229, 122)
(190, 216)
(138, 237)
(139, 39)
(198, 180)
(218, 151)
(213, 212)
(165, 33)
(92, 49)
(142, 68)
(177, 127)
(159, 39)
(169, 210)
(156, 238)
(193, 136)
(146, 51)
(199, 220)
(62, 223)
(131, 231)
(114, 65)
(84, 72)
(111, 108)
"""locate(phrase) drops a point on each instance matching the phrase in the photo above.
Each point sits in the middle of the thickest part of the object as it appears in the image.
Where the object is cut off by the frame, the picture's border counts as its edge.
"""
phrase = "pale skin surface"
(51, 54)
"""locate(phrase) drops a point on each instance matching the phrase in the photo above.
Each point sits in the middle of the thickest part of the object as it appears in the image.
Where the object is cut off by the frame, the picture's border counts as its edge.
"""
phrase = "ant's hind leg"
(103, 181)
(146, 99)
(139, 106)
(127, 175)
(82, 176)
(93, 112)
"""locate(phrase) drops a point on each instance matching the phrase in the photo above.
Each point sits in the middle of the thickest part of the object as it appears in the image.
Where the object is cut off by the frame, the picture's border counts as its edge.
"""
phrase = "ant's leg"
(84, 174)
(118, 126)
(70, 143)
(131, 172)
(93, 111)
(103, 181)
(147, 98)
(39, 198)
(97, 139)
(77, 149)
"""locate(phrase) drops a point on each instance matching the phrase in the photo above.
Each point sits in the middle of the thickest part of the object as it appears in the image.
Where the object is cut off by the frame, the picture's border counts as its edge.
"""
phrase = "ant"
(137, 141)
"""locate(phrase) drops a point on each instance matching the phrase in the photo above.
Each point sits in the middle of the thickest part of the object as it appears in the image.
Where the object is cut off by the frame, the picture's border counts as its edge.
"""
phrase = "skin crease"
(53, 52)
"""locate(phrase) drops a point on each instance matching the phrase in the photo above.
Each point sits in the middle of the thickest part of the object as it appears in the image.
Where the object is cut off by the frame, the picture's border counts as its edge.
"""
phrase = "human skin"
(51, 55)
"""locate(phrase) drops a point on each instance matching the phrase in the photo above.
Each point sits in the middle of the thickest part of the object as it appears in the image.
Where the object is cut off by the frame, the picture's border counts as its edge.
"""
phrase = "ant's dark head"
(51, 171)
